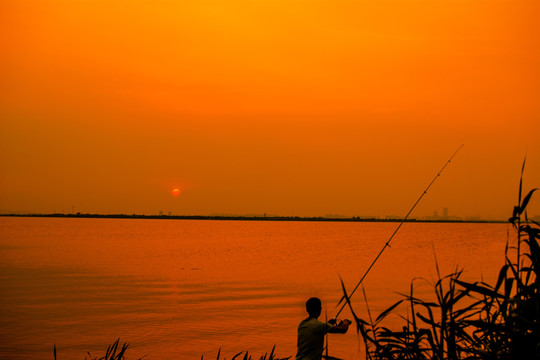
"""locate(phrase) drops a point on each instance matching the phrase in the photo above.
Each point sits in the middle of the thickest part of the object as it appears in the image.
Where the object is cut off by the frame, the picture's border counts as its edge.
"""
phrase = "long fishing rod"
(401, 223)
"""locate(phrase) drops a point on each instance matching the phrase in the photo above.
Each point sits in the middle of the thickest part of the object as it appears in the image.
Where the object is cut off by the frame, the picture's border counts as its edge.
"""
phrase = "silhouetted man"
(311, 332)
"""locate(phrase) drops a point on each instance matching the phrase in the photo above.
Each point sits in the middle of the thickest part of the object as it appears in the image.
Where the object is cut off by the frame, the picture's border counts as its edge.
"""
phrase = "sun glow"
(175, 192)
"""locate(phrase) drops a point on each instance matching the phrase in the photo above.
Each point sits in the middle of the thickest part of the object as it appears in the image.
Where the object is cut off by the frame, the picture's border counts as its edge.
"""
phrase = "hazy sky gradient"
(285, 107)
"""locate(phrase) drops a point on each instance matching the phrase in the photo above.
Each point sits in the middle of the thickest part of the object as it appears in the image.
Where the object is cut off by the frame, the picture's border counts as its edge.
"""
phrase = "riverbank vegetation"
(468, 320)
(116, 352)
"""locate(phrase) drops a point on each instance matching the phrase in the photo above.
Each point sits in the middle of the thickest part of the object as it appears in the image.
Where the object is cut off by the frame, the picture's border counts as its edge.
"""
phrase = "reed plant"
(114, 352)
(247, 356)
(469, 320)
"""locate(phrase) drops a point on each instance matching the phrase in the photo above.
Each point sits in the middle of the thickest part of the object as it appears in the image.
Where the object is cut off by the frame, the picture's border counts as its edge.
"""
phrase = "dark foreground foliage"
(113, 352)
(117, 353)
(470, 320)
(246, 356)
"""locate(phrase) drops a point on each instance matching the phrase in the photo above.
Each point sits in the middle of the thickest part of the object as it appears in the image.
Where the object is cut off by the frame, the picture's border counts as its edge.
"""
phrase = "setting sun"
(175, 192)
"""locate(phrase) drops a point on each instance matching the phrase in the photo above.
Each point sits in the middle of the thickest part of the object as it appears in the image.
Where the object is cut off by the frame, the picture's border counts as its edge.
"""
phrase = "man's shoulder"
(311, 321)
(314, 323)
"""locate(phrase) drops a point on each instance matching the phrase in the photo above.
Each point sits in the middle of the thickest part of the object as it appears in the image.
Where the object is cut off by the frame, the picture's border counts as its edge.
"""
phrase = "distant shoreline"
(248, 218)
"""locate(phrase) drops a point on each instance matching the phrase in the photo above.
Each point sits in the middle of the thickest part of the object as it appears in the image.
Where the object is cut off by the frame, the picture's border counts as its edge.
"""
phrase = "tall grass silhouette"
(246, 356)
(469, 320)
(114, 352)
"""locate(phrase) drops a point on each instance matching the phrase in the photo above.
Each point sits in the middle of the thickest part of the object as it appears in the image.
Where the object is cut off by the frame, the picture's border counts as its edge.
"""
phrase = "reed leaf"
(526, 200)
(369, 313)
(237, 355)
(272, 353)
(479, 289)
(387, 311)
(502, 277)
(359, 322)
(521, 180)
(430, 321)
(424, 303)
(413, 315)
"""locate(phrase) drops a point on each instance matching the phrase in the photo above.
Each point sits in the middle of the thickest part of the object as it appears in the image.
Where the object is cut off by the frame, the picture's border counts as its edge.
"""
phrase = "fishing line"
(399, 226)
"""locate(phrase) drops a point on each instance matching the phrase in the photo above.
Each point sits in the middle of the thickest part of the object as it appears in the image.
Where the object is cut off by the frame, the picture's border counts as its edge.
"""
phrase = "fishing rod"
(399, 226)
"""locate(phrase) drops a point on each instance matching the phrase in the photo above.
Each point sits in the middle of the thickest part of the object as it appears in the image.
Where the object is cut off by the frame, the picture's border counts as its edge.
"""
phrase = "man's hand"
(332, 321)
(340, 327)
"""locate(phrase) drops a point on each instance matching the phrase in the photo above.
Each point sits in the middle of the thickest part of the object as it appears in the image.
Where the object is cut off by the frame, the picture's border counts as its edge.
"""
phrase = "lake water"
(180, 289)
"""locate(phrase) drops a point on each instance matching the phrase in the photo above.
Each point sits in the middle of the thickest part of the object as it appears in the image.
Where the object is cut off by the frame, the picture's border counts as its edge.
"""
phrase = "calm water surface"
(179, 289)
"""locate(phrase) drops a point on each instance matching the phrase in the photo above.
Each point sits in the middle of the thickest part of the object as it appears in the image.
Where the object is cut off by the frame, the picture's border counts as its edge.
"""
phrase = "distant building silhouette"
(445, 216)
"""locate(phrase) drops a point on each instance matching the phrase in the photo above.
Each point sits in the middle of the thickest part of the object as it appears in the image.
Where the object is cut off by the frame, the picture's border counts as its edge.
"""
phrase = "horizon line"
(255, 218)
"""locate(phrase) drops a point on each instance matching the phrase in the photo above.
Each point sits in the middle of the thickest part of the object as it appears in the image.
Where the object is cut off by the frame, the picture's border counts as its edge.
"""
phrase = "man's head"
(314, 307)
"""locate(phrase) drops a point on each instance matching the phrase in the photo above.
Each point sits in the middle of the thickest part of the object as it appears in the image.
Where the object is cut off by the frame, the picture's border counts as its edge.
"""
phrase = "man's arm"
(341, 327)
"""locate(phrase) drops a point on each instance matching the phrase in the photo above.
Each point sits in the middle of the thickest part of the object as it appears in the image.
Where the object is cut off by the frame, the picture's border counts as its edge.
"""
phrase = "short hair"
(313, 305)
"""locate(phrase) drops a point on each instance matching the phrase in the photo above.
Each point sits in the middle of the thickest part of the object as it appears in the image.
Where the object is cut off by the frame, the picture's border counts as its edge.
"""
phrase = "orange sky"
(285, 107)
